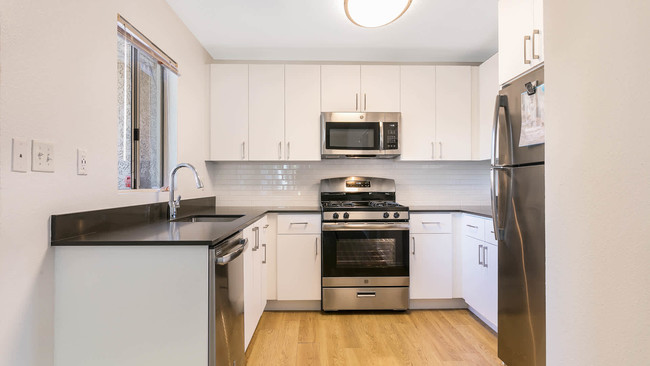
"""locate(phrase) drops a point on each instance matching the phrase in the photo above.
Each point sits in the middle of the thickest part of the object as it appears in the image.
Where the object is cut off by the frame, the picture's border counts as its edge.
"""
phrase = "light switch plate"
(42, 156)
(20, 157)
(82, 162)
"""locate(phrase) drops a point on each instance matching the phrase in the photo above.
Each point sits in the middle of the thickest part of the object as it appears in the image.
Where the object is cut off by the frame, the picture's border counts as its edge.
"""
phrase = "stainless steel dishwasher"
(226, 305)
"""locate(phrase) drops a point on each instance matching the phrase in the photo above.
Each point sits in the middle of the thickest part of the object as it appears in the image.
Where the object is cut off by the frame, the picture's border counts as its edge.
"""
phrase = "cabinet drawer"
(474, 227)
(431, 223)
(489, 232)
(298, 224)
(365, 298)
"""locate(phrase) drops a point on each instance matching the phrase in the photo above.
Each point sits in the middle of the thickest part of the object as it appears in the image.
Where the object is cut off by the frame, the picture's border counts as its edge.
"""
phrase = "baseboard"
(295, 305)
(437, 304)
(483, 319)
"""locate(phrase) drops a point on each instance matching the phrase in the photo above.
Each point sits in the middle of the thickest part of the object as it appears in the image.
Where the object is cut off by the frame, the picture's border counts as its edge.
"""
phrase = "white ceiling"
(318, 30)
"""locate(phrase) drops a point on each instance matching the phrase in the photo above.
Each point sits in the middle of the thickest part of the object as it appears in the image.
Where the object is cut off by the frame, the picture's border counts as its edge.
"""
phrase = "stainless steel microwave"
(360, 135)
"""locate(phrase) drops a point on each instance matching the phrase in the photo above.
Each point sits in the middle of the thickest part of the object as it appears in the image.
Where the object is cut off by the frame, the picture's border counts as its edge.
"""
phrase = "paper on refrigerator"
(532, 118)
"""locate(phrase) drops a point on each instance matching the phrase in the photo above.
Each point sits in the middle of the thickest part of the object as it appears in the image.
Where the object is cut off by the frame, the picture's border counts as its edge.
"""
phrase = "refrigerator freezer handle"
(501, 102)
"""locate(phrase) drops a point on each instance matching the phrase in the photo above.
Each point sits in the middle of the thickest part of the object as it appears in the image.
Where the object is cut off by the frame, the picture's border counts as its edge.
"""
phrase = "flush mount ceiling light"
(375, 13)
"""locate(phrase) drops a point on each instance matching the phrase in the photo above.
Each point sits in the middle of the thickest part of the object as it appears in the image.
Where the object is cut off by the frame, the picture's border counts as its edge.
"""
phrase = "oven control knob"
(346, 215)
(386, 214)
(396, 215)
(335, 215)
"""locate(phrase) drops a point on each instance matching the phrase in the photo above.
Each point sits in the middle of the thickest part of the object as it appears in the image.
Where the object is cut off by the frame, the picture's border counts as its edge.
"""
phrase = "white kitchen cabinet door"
(537, 38)
(418, 107)
(472, 271)
(380, 88)
(228, 112)
(302, 112)
(340, 88)
(515, 51)
(270, 256)
(431, 266)
(263, 226)
(299, 267)
(250, 305)
(266, 112)
(453, 113)
(488, 89)
(490, 284)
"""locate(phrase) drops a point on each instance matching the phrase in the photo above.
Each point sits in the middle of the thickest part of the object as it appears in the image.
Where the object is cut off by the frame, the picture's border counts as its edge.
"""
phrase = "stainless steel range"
(365, 245)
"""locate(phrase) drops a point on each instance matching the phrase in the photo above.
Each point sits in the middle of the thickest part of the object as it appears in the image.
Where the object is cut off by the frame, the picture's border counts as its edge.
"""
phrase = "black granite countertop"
(148, 224)
(485, 211)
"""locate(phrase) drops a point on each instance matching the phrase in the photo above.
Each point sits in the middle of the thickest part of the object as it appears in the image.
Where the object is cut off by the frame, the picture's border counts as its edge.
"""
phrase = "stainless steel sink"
(210, 218)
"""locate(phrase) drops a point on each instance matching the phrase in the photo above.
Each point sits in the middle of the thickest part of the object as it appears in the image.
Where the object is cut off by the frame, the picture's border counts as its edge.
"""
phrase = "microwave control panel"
(390, 136)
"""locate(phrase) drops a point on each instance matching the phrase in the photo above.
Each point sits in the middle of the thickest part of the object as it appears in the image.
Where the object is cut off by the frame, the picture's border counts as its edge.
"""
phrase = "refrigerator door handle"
(501, 102)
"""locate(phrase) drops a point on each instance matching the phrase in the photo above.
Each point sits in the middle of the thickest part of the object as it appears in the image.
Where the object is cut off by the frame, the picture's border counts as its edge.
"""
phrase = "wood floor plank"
(417, 337)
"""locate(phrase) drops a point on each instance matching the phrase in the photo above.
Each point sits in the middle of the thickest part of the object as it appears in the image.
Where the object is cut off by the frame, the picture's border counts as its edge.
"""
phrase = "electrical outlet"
(20, 155)
(82, 162)
(42, 156)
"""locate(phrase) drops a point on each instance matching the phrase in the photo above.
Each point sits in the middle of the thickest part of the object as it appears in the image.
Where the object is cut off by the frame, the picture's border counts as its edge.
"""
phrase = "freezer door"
(507, 125)
(522, 305)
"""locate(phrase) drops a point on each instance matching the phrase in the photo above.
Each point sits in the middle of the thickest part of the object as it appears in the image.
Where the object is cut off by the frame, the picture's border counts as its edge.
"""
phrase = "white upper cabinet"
(266, 112)
(229, 112)
(380, 88)
(520, 28)
(453, 113)
(418, 95)
(340, 88)
(302, 112)
(488, 89)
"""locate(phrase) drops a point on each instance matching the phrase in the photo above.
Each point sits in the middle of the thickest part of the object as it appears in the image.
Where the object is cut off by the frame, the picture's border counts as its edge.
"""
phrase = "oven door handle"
(374, 226)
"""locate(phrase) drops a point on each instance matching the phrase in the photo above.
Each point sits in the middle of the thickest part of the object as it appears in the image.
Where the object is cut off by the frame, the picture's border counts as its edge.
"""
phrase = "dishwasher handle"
(233, 253)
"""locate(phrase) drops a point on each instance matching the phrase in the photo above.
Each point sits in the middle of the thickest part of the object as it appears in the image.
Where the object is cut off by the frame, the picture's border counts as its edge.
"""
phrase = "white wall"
(58, 82)
(597, 182)
(297, 183)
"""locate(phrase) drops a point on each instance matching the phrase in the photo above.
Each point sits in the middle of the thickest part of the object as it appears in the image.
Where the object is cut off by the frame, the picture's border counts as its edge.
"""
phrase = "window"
(144, 98)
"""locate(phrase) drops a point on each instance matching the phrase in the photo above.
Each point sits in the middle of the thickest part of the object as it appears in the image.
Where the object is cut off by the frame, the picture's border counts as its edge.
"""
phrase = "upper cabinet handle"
(288, 150)
(526, 60)
(439, 149)
(243, 150)
(280, 150)
(535, 32)
(365, 102)
(433, 150)
(356, 101)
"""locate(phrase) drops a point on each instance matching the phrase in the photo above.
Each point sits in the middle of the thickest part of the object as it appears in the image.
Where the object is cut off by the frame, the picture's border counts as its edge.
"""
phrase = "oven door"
(365, 249)
(351, 138)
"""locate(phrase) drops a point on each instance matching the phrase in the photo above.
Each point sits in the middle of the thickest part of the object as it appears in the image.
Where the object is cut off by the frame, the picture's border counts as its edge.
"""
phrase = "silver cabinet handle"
(413, 239)
(356, 101)
(256, 230)
(243, 150)
(365, 102)
(280, 150)
(472, 226)
(316, 248)
(526, 60)
(366, 294)
(265, 226)
(433, 150)
(430, 222)
(298, 223)
(535, 32)
(288, 149)
(439, 149)
(485, 250)
(480, 249)
(264, 260)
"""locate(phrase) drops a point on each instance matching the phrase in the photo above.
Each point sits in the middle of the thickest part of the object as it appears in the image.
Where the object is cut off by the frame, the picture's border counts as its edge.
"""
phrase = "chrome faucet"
(174, 204)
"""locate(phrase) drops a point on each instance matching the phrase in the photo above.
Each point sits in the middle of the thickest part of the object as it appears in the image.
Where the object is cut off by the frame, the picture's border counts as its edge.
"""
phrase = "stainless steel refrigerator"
(518, 215)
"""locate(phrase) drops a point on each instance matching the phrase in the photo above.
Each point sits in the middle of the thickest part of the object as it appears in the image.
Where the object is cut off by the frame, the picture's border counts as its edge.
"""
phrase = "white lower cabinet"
(480, 272)
(254, 277)
(431, 266)
(299, 263)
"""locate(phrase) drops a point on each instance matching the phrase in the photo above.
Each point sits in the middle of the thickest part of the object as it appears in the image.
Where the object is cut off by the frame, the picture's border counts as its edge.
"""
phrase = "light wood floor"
(418, 337)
